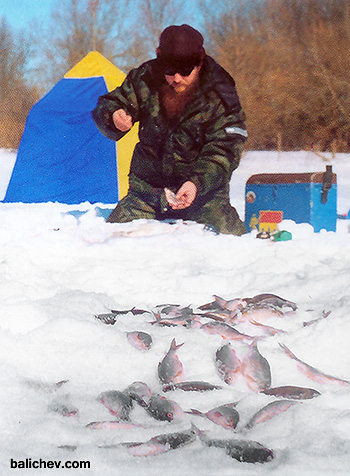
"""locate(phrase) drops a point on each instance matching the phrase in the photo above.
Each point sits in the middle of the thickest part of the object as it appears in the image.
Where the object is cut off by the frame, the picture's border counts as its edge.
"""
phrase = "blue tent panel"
(62, 157)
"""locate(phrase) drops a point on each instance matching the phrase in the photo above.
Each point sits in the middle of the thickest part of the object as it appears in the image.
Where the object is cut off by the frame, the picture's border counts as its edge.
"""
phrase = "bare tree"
(291, 64)
(78, 27)
(16, 96)
(151, 18)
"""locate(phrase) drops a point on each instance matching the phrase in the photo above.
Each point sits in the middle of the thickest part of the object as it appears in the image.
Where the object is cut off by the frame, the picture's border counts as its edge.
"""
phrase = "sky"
(19, 12)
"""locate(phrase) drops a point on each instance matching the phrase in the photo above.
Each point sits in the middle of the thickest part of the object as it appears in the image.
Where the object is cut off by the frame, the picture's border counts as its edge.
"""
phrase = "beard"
(174, 102)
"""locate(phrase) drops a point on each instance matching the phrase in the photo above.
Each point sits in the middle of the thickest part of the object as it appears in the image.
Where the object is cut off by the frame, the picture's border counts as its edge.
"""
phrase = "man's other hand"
(184, 197)
(122, 120)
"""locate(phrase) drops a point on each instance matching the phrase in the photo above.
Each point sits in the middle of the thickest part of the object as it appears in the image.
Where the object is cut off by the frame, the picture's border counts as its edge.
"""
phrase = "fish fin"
(221, 302)
(195, 412)
(288, 351)
(256, 323)
(174, 345)
(231, 405)
(157, 316)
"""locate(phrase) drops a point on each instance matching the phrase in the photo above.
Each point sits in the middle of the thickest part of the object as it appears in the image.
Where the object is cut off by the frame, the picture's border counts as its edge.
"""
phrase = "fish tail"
(157, 316)
(195, 412)
(221, 302)
(288, 351)
(174, 345)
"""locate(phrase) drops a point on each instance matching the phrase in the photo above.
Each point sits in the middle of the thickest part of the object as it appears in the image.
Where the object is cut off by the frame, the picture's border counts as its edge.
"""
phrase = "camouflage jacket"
(203, 146)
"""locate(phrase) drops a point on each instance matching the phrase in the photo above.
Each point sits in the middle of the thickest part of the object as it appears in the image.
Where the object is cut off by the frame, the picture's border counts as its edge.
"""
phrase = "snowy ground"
(58, 272)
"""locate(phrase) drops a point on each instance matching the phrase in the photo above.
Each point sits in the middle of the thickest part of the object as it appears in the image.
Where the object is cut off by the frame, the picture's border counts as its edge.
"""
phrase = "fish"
(232, 305)
(269, 411)
(140, 340)
(139, 392)
(221, 304)
(245, 451)
(272, 300)
(324, 315)
(161, 443)
(170, 369)
(173, 310)
(258, 313)
(107, 318)
(225, 331)
(163, 409)
(268, 329)
(133, 311)
(311, 372)
(191, 321)
(256, 369)
(225, 415)
(194, 386)
(70, 448)
(45, 387)
(227, 363)
(112, 425)
(118, 404)
(63, 409)
(289, 391)
(220, 316)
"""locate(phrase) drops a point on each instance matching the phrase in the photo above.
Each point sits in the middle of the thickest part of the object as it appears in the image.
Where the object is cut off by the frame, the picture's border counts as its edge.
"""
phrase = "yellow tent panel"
(92, 65)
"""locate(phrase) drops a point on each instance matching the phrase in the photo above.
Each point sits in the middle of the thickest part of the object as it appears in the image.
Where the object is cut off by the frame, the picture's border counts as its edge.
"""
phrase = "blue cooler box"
(302, 197)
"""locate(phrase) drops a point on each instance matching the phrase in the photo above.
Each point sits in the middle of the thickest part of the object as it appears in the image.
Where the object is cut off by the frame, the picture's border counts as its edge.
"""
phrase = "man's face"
(180, 82)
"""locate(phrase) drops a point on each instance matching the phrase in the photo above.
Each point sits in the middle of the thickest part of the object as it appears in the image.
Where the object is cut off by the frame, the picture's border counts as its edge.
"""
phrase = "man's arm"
(117, 110)
(221, 153)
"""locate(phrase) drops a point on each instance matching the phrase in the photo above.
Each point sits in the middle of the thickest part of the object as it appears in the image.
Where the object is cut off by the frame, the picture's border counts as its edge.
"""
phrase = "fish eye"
(170, 416)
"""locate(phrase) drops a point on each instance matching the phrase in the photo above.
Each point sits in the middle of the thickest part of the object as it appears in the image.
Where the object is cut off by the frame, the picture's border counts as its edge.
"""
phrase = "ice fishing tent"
(62, 156)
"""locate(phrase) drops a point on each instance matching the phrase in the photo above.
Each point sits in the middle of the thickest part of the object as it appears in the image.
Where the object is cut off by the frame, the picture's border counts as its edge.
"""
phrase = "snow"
(58, 272)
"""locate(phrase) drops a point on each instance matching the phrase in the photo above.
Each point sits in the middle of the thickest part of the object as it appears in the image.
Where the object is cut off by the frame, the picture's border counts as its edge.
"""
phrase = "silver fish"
(225, 415)
(107, 318)
(256, 369)
(324, 315)
(170, 368)
(139, 392)
(271, 299)
(232, 305)
(245, 451)
(222, 304)
(311, 372)
(45, 387)
(112, 425)
(191, 321)
(194, 386)
(172, 310)
(272, 331)
(270, 411)
(258, 313)
(289, 391)
(133, 310)
(163, 409)
(118, 403)
(161, 443)
(63, 409)
(140, 340)
(227, 363)
(225, 331)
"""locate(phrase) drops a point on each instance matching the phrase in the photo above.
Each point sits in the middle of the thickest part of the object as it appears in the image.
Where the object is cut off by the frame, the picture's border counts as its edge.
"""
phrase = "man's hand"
(122, 120)
(184, 197)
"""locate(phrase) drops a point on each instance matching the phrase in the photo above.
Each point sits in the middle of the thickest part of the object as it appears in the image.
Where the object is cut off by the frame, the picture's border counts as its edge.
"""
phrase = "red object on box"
(270, 216)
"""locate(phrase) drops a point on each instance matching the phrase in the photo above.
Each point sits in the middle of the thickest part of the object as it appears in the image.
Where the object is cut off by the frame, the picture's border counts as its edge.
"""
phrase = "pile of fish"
(220, 317)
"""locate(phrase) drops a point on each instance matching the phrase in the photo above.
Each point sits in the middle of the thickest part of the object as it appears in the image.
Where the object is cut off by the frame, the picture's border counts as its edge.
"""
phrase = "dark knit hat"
(180, 45)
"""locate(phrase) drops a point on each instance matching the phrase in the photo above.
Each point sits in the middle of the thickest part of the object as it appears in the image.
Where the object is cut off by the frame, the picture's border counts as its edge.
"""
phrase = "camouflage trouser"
(144, 201)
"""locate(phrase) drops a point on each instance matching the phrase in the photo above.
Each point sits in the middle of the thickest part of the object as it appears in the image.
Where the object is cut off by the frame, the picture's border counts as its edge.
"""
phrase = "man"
(191, 134)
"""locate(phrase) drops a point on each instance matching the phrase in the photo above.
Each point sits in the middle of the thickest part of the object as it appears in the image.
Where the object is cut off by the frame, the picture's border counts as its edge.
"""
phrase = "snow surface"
(58, 272)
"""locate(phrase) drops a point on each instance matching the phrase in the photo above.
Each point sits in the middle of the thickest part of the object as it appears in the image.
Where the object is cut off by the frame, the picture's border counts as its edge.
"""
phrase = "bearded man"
(191, 134)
